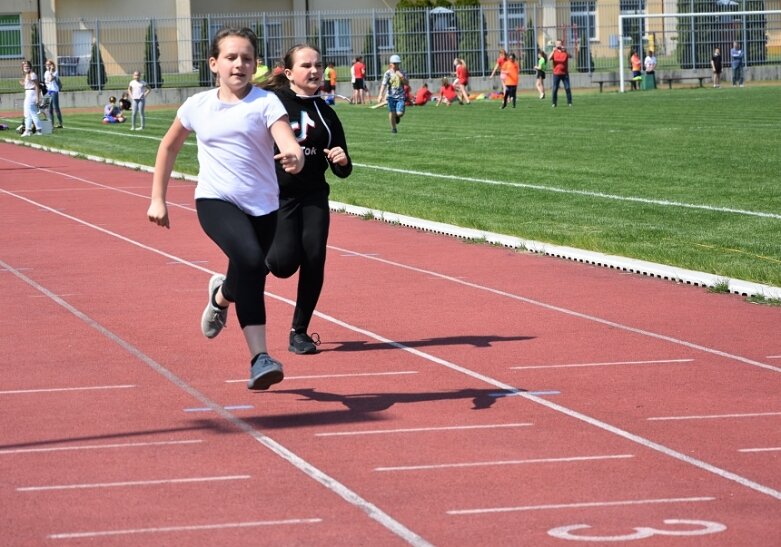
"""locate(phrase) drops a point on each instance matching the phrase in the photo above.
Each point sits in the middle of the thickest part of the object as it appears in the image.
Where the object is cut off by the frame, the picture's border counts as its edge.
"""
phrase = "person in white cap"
(394, 81)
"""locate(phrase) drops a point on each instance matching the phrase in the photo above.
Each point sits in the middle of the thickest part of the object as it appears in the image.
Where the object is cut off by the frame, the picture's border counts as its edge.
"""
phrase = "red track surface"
(628, 401)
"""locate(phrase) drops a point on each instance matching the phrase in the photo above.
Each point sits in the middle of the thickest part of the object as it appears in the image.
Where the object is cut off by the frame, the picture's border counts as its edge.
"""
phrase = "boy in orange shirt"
(512, 70)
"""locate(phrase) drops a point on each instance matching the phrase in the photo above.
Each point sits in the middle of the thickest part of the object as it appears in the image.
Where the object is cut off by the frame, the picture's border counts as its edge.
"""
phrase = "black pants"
(300, 245)
(509, 93)
(245, 240)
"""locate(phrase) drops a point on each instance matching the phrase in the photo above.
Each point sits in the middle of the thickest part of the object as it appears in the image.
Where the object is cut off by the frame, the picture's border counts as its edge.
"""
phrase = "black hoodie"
(316, 127)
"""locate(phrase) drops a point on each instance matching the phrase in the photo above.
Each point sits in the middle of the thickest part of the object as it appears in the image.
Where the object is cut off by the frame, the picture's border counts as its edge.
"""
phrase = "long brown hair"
(280, 81)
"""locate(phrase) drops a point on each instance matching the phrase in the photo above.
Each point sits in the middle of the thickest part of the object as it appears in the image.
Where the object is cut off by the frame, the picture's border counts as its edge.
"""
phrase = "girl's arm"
(164, 163)
(290, 154)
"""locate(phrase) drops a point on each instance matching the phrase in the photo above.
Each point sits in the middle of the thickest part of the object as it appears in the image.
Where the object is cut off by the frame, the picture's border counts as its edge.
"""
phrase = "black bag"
(44, 89)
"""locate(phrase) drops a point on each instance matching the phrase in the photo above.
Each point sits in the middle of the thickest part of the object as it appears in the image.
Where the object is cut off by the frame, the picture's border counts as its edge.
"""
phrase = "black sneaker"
(303, 344)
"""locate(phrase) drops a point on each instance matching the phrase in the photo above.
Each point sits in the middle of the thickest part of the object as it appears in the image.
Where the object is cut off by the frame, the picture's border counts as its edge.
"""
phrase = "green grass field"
(688, 177)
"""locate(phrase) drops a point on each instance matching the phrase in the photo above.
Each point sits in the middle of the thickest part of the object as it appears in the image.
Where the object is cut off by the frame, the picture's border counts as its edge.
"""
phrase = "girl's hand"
(290, 162)
(336, 155)
(158, 213)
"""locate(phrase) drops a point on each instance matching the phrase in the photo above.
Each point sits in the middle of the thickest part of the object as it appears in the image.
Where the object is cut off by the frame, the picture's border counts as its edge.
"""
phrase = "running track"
(464, 394)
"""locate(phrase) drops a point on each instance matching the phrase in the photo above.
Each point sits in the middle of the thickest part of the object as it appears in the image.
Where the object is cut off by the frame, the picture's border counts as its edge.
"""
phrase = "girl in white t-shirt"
(137, 89)
(32, 96)
(237, 195)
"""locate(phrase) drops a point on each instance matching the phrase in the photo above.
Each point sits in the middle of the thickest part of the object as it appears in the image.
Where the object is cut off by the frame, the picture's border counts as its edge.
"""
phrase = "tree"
(96, 76)
(153, 73)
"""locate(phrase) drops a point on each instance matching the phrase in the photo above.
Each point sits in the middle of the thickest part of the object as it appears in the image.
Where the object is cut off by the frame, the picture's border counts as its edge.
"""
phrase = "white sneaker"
(26, 134)
(213, 319)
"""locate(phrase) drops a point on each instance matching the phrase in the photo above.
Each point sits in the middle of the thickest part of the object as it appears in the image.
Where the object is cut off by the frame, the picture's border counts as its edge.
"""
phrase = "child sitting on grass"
(112, 112)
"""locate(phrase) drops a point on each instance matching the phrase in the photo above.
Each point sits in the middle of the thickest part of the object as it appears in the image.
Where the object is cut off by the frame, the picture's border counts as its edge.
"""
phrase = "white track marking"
(190, 528)
(714, 416)
(417, 430)
(615, 363)
(502, 462)
(348, 494)
(351, 497)
(575, 505)
(330, 376)
(131, 483)
(60, 389)
(769, 449)
(96, 447)
(572, 313)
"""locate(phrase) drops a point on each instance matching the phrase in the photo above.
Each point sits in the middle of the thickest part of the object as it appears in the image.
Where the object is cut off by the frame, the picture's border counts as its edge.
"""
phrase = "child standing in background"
(138, 89)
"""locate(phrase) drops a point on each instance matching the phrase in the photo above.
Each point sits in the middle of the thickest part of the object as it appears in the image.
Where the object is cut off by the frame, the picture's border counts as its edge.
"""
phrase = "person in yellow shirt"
(261, 72)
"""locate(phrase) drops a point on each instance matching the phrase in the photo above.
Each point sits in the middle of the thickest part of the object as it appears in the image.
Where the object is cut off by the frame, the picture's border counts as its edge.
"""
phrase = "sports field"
(684, 177)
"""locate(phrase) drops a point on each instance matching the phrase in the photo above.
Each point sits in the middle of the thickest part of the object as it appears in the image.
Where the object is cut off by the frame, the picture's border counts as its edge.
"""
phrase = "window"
(633, 28)
(336, 33)
(516, 23)
(10, 37)
(384, 34)
(583, 18)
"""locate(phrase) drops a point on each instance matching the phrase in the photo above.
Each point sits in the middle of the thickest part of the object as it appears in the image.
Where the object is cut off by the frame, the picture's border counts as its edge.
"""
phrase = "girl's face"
(236, 63)
(26, 67)
(306, 76)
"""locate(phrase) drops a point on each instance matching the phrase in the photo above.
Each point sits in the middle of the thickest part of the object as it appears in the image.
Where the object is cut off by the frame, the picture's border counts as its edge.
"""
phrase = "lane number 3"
(692, 528)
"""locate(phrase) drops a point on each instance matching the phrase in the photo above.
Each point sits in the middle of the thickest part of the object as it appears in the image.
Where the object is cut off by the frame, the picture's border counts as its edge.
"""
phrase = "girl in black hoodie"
(304, 216)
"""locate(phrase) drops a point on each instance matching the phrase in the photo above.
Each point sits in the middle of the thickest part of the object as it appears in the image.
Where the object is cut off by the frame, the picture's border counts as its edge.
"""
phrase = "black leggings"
(300, 243)
(245, 240)
(509, 93)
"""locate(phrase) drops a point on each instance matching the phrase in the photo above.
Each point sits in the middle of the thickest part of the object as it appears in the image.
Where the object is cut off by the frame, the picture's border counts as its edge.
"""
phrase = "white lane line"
(314, 473)
(353, 497)
(485, 510)
(96, 447)
(329, 376)
(502, 462)
(768, 449)
(556, 309)
(774, 357)
(606, 364)
(714, 416)
(59, 389)
(231, 407)
(418, 430)
(602, 195)
(131, 483)
(190, 528)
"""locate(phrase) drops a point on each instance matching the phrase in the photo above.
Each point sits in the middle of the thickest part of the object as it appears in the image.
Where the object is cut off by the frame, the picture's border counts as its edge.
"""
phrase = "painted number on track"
(692, 528)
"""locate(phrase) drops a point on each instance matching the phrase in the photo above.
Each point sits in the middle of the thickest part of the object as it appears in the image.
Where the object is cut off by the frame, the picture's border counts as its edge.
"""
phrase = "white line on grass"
(602, 195)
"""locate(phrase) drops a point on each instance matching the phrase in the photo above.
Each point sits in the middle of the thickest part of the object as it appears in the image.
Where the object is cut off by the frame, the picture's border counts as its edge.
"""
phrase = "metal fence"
(103, 53)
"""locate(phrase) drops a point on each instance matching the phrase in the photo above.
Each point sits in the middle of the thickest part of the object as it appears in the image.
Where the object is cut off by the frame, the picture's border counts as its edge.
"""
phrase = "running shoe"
(265, 371)
(303, 344)
(213, 319)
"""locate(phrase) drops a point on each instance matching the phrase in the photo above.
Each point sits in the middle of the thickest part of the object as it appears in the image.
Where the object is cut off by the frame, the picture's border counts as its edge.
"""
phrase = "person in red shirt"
(498, 67)
(462, 80)
(559, 58)
(447, 93)
(422, 96)
(358, 73)
(511, 70)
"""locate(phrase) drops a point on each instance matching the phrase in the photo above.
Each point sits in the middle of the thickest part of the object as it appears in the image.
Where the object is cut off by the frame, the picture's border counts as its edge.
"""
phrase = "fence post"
(97, 49)
(430, 54)
(483, 54)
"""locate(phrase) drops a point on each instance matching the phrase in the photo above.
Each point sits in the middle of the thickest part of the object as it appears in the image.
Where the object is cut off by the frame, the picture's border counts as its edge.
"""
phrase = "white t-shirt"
(31, 89)
(235, 148)
(137, 88)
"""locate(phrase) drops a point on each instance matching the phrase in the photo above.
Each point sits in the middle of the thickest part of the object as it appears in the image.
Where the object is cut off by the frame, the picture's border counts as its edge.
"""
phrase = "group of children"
(134, 100)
